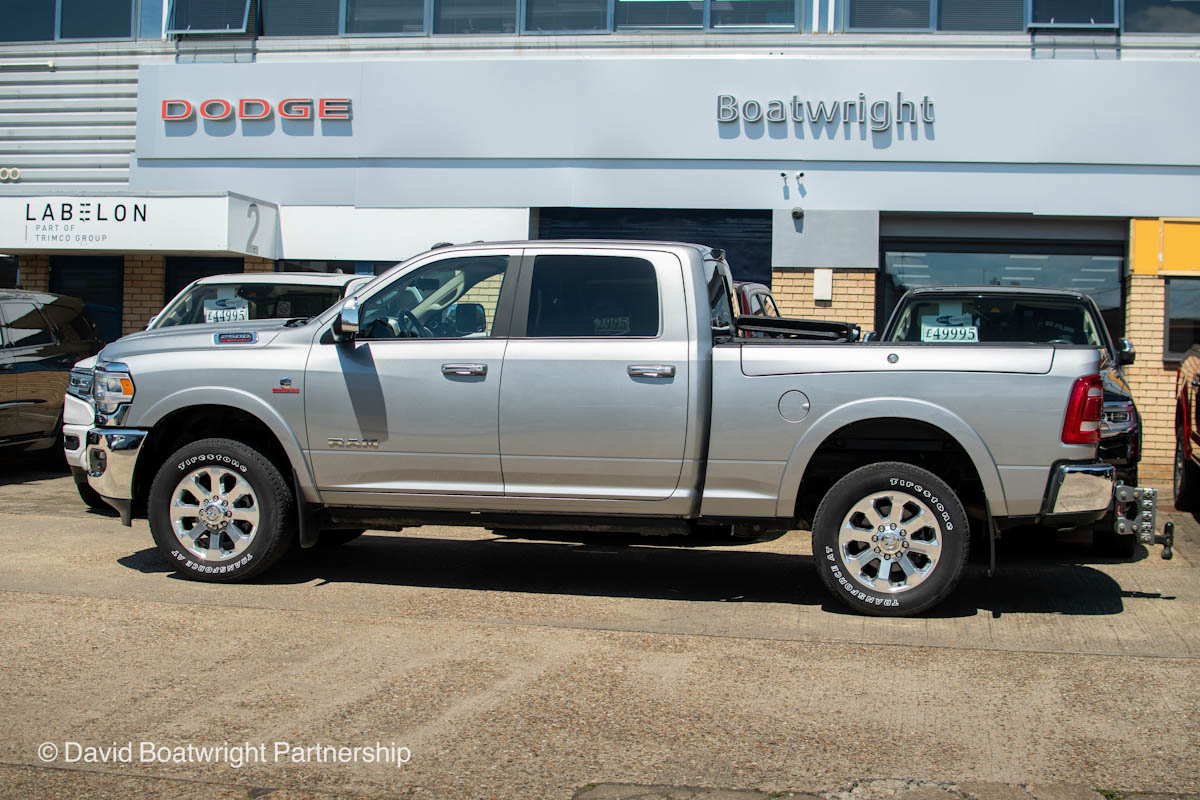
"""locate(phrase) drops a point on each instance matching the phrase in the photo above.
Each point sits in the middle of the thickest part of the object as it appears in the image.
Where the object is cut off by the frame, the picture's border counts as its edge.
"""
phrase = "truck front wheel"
(891, 539)
(219, 511)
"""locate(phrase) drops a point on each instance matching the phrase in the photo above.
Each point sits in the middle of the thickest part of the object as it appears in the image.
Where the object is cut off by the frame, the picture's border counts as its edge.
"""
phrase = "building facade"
(839, 150)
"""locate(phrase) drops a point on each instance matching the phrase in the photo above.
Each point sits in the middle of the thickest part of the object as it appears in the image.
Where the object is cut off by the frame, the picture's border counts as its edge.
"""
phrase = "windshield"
(237, 302)
(998, 319)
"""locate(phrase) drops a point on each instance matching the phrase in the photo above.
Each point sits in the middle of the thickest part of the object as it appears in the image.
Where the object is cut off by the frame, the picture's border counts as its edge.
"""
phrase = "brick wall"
(33, 273)
(853, 296)
(143, 290)
(256, 264)
(1153, 384)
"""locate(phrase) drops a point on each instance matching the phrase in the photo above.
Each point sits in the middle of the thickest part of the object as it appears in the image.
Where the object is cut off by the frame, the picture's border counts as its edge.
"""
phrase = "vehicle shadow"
(596, 569)
(25, 467)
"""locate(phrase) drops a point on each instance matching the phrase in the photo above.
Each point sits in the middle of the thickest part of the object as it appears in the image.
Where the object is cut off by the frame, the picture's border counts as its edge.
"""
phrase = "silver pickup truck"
(593, 386)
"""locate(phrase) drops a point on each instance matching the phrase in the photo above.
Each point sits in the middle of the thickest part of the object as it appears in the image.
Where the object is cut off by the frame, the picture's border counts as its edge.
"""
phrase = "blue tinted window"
(566, 15)
(866, 14)
(1084, 13)
(973, 15)
(207, 15)
(753, 13)
(385, 16)
(300, 17)
(150, 22)
(25, 21)
(96, 19)
(659, 14)
(474, 16)
(1162, 16)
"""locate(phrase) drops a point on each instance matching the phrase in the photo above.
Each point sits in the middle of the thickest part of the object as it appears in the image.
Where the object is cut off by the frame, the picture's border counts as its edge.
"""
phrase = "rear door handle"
(464, 369)
(651, 370)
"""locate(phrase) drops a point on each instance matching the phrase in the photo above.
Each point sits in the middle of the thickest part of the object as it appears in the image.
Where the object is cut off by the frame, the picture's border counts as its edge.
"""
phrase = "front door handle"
(651, 370)
(464, 369)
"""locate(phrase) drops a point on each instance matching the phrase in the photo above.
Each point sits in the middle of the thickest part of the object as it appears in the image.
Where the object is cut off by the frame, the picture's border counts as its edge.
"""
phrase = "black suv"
(41, 337)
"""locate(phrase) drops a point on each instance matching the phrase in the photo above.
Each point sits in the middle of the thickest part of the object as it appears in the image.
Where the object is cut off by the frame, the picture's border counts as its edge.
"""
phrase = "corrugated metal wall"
(67, 112)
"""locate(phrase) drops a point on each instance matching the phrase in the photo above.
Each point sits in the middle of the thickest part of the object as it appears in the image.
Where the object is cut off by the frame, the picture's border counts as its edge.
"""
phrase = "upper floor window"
(300, 17)
(66, 19)
(1162, 16)
(208, 16)
(1073, 13)
(942, 15)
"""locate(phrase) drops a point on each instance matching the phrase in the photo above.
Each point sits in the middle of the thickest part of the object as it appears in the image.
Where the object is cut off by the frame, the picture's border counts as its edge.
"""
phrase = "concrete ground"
(518, 669)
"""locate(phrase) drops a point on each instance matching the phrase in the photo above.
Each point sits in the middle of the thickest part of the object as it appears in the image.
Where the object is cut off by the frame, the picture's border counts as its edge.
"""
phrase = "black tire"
(262, 544)
(337, 538)
(1186, 483)
(945, 543)
(89, 495)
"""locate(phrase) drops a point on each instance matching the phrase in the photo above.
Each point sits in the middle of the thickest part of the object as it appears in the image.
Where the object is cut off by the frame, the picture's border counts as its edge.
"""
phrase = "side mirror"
(1125, 352)
(870, 336)
(469, 318)
(345, 327)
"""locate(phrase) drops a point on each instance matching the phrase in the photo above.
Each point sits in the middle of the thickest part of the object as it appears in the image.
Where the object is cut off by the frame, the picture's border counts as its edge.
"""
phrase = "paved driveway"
(517, 669)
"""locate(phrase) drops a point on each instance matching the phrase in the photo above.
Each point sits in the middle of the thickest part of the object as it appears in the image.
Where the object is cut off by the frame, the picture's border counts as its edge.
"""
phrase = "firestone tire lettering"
(275, 534)
(919, 483)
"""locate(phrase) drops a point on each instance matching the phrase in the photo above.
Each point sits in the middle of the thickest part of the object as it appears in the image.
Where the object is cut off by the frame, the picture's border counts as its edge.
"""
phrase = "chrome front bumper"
(1080, 489)
(111, 457)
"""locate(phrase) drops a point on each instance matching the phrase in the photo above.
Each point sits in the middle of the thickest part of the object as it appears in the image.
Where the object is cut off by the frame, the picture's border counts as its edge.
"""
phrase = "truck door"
(410, 407)
(594, 402)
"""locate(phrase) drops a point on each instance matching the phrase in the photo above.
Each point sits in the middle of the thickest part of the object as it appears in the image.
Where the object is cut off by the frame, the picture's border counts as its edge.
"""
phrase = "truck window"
(997, 319)
(26, 327)
(592, 296)
(451, 298)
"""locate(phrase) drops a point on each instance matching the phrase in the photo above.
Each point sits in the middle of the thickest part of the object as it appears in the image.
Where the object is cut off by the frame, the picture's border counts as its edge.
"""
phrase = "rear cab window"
(574, 296)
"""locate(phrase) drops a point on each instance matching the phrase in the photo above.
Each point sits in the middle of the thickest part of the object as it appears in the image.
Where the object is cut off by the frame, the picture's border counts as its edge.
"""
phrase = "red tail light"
(1083, 411)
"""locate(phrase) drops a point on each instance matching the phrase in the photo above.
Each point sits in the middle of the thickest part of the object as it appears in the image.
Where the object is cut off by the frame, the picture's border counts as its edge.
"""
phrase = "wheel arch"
(928, 421)
(194, 414)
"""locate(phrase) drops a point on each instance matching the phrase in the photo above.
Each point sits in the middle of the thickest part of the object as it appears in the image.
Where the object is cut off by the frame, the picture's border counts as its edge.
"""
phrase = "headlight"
(111, 388)
(80, 384)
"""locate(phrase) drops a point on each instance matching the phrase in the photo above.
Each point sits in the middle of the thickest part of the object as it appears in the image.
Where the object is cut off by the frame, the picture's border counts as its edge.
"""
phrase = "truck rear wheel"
(891, 539)
(219, 511)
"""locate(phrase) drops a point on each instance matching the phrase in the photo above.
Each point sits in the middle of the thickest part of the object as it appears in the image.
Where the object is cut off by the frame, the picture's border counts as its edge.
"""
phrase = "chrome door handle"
(464, 369)
(651, 370)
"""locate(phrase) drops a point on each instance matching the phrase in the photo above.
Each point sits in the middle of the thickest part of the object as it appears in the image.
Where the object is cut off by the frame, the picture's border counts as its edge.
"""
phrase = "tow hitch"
(1136, 512)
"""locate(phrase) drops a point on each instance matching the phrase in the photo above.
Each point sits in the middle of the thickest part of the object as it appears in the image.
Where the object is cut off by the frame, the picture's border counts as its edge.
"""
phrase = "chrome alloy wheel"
(214, 513)
(890, 542)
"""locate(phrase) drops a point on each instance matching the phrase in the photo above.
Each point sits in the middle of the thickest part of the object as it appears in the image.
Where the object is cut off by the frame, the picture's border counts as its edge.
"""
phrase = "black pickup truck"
(1003, 314)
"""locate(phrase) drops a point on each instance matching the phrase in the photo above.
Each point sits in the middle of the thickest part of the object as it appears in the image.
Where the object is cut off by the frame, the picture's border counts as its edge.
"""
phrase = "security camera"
(799, 175)
(797, 213)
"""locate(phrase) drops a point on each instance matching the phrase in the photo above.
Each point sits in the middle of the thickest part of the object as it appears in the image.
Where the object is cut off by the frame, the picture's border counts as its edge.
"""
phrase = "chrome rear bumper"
(1080, 489)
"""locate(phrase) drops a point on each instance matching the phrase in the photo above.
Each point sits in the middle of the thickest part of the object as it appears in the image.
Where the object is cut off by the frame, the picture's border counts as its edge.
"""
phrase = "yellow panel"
(1143, 246)
(1181, 245)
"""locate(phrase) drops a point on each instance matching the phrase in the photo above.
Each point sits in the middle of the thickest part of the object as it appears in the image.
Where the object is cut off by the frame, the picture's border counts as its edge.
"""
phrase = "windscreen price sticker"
(226, 310)
(949, 333)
